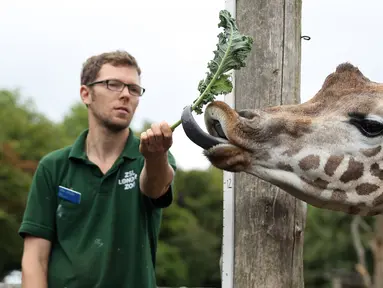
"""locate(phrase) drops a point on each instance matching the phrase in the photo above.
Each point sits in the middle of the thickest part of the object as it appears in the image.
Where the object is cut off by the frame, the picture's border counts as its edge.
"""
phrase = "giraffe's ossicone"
(326, 151)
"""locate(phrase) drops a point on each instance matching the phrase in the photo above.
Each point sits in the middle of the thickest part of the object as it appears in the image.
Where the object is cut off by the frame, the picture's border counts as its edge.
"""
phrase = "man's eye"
(135, 89)
(115, 84)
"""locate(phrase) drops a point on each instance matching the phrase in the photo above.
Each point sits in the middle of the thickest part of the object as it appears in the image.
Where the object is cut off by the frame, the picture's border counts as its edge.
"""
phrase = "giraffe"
(326, 152)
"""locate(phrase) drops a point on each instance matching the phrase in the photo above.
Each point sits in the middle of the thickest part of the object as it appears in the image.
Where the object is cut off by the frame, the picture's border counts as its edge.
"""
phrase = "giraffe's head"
(326, 151)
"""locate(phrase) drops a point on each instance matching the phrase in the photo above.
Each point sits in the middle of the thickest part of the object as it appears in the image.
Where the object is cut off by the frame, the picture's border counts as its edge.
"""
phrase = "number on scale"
(228, 183)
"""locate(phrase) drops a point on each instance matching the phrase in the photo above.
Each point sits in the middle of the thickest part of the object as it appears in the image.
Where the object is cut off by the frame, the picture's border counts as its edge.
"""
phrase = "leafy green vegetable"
(231, 53)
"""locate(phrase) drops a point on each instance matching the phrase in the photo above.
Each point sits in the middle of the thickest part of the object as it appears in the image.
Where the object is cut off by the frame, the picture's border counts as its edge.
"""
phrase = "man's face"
(113, 110)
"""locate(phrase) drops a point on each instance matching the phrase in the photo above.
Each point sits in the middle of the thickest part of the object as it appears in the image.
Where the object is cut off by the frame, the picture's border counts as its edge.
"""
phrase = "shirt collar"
(131, 149)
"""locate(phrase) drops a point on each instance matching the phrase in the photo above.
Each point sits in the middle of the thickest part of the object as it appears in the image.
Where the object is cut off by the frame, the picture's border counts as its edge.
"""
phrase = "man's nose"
(125, 92)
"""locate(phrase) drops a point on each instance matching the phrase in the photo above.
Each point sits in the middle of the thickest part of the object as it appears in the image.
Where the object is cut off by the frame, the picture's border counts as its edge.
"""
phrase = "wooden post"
(268, 223)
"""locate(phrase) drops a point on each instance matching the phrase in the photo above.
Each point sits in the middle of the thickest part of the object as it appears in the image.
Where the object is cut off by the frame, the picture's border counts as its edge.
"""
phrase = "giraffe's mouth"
(205, 140)
(219, 143)
(216, 125)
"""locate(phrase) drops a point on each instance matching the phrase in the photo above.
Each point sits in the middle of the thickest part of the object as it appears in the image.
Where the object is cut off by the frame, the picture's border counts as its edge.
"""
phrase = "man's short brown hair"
(92, 65)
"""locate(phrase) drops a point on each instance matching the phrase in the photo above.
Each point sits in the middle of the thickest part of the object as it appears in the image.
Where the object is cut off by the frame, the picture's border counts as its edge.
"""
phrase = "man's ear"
(85, 94)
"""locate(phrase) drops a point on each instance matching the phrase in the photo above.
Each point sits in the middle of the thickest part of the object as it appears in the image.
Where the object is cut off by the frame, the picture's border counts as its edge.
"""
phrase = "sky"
(43, 45)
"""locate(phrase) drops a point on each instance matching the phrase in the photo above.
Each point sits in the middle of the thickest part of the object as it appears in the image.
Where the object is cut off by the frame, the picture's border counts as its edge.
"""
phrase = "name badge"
(69, 195)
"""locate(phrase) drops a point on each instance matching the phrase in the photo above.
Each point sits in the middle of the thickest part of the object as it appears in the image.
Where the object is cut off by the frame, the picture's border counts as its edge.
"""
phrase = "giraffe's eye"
(368, 127)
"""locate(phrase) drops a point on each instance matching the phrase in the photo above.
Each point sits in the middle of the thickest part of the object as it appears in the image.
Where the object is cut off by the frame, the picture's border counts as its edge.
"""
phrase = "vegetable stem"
(175, 125)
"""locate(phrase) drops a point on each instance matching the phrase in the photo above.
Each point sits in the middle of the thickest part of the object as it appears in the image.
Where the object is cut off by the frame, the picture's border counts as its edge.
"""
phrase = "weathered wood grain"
(269, 223)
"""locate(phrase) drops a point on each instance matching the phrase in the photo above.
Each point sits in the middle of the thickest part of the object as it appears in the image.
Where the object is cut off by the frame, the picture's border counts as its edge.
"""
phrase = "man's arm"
(156, 176)
(35, 262)
(38, 229)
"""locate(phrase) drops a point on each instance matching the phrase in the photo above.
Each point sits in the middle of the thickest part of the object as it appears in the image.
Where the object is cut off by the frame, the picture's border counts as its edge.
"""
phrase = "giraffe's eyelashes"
(357, 115)
(368, 126)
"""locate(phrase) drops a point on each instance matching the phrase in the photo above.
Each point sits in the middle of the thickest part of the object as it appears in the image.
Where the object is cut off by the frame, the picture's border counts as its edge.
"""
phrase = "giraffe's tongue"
(196, 134)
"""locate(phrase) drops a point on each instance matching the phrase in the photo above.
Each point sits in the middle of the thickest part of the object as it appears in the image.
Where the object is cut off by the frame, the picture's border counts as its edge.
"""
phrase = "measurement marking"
(227, 275)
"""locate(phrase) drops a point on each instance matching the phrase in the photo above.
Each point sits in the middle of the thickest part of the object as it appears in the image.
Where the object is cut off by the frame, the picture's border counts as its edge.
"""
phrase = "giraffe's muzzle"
(197, 135)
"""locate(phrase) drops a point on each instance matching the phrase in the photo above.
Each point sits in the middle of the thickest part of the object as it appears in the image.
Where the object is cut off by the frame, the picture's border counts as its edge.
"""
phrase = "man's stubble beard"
(105, 121)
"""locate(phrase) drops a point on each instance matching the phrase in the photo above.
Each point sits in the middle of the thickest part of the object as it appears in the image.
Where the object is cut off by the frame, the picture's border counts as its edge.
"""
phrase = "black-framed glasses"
(118, 86)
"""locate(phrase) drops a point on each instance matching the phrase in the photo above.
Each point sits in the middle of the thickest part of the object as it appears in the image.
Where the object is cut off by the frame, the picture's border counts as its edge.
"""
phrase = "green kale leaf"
(232, 51)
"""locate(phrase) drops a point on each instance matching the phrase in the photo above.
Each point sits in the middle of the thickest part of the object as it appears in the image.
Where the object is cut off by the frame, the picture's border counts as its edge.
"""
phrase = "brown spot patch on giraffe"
(285, 167)
(263, 156)
(378, 200)
(292, 151)
(376, 171)
(299, 127)
(318, 183)
(296, 126)
(366, 188)
(332, 164)
(371, 152)
(354, 210)
(309, 162)
(357, 209)
(339, 195)
(354, 171)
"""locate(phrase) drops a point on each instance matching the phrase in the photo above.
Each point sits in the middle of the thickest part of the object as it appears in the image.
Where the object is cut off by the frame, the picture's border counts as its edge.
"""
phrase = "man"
(93, 213)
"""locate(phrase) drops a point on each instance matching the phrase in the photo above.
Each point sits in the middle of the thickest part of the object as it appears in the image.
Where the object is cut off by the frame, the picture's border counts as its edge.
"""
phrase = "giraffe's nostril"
(247, 113)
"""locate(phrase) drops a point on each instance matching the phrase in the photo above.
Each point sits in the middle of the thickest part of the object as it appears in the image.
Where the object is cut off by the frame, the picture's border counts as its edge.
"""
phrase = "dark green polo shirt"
(109, 239)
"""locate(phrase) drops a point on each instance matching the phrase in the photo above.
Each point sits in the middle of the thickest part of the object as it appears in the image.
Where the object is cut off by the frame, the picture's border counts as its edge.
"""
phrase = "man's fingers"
(157, 139)
(143, 141)
(151, 138)
(156, 129)
(144, 137)
(167, 133)
(165, 128)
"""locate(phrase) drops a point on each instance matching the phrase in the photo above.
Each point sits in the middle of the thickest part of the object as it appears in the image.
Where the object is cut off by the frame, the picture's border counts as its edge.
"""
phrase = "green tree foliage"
(28, 132)
(75, 122)
(25, 136)
(192, 229)
(13, 184)
(328, 246)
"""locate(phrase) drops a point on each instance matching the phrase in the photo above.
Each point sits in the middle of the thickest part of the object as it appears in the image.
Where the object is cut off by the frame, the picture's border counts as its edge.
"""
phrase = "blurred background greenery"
(191, 233)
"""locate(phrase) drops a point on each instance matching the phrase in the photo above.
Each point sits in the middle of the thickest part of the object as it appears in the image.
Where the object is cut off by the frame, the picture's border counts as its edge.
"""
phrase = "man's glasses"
(118, 86)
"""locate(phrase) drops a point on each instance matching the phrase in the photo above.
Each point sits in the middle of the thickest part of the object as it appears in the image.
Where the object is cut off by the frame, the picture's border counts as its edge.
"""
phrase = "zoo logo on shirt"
(129, 180)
